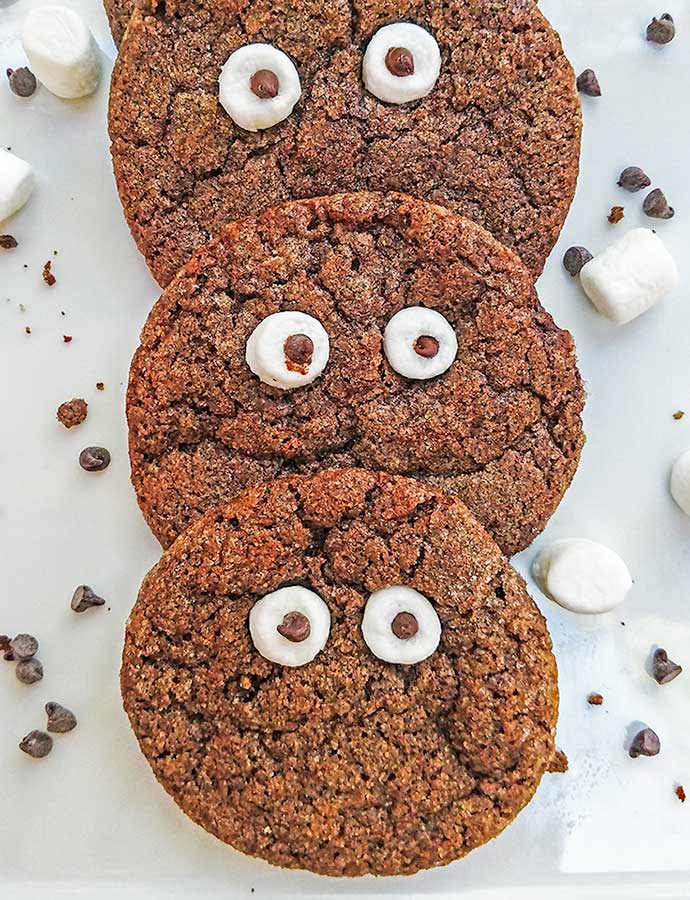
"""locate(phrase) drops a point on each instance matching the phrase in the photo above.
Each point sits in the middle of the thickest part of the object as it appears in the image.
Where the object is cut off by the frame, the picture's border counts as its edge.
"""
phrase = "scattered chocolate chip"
(60, 720)
(100, 386)
(67, 338)
(295, 627)
(680, 793)
(426, 346)
(656, 206)
(24, 646)
(678, 415)
(37, 744)
(22, 81)
(8, 242)
(661, 30)
(404, 626)
(595, 699)
(400, 62)
(48, 276)
(663, 668)
(29, 671)
(84, 598)
(645, 743)
(616, 215)
(633, 179)
(264, 84)
(72, 412)
(588, 83)
(575, 258)
(298, 349)
(94, 459)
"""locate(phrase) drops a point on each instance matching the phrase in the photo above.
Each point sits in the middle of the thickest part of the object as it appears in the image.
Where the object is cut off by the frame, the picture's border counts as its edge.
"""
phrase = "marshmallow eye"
(402, 63)
(288, 349)
(419, 343)
(259, 86)
(400, 625)
(290, 626)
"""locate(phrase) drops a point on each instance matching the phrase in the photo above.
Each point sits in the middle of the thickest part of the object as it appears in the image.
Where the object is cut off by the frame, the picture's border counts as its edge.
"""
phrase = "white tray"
(90, 821)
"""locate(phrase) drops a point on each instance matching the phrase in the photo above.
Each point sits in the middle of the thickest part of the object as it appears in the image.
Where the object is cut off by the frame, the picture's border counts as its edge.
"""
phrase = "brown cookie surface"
(119, 13)
(497, 139)
(347, 765)
(501, 427)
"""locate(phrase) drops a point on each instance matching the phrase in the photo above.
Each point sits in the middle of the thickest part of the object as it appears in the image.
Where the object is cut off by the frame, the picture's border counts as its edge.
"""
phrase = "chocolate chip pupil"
(400, 62)
(426, 346)
(295, 627)
(299, 349)
(264, 84)
(404, 626)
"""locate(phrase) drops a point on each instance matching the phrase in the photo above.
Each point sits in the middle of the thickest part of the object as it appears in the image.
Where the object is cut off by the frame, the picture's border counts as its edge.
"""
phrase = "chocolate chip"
(426, 346)
(645, 743)
(264, 84)
(22, 81)
(595, 699)
(663, 668)
(661, 30)
(656, 206)
(24, 646)
(404, 626)
(94, 459)
(633, 179)
(588, 83)
(84, 598)
(617, 213)
(72, 412)
(295, 627)
(47, 275)
(29, 671)
(400, 62)
(37, 744)
(8, 242)
(299, 349)
(575, 258)
(60, 720)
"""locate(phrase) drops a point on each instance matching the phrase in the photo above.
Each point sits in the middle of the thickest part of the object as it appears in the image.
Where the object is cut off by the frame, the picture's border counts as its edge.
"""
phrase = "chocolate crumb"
(595, 699)
(100, 386)
(661, 30)
(575, 258)
(664, 669)
(678, 415)
(67, 338)
(588, 83)
(94, 459)
(656, 206)
(24, 646)
(616, 215)
(37, 744)
(72, 412)
(8, 242)
(645, 743)
(29, 671)
(22, 81)
(60, 720)
(84, 598)
(680, 793)
(48, 276)
(633, 179)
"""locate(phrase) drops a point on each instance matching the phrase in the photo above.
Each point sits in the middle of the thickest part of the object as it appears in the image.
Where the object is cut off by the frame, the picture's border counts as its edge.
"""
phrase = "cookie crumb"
(67, 338)
(680, 793)
(8, 242)
(616, 215)
(48, 276)
(100, 386)
(72, 412)
(595, 699)
(27, 329)
(678, 415)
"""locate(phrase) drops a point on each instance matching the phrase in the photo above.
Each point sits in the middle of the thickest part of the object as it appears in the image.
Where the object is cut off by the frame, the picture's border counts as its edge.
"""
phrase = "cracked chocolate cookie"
(470, 105)
(344, 764)
(359, 330)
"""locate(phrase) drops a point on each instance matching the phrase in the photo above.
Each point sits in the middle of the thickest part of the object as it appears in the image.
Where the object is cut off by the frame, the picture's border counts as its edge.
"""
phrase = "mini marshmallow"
(400, 609)
(419, 342)
(272, 612)
(62, 51)
(582, 576)
(632, 275)
(680, 482)
(16, 183)
(266, 103)
(387, 78)
(270, 353)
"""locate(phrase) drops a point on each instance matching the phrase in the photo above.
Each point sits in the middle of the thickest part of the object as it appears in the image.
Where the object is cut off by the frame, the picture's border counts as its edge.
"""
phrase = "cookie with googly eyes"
(415, 723)
(221, 109)
(361, 330)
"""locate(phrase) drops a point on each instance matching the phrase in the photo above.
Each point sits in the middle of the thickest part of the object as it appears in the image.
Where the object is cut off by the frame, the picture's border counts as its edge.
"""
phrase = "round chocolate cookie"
(495, 137)
(345, 764)
(491, 413)
(119, 13)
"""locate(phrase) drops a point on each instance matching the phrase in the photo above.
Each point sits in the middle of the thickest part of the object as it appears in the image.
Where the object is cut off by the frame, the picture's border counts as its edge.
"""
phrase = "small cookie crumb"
(27, 329)
(72, 412)
(678, 415)
(100, 386)
(680, 793)
(67, 338)
(595, 699)
(8, 242)
(616, 215)
(48, 276)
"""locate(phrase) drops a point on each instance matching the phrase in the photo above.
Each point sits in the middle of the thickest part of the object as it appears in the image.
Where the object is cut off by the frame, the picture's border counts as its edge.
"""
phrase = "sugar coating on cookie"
(347, 765)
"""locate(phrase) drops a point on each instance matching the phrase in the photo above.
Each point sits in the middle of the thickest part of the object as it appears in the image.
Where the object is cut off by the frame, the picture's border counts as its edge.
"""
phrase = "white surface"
(89, 821)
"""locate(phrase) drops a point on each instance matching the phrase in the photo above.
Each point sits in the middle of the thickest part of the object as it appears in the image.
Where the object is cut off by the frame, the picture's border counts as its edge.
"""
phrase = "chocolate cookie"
(483, 398)
(119, 13)
(343, 764)
(496, 137)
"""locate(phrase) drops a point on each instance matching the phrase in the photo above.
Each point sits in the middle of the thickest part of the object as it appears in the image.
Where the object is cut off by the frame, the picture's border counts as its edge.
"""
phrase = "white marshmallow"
(239, 101)
(16, 183)
(267, 615)
(680, 482)
(402, 333)
(391, 88)
(632, 275)
(266, 356)
(62, 51)
(582, 576)
(377, 625)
